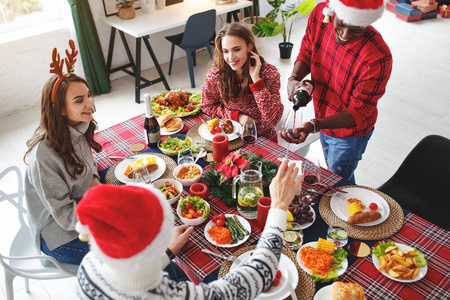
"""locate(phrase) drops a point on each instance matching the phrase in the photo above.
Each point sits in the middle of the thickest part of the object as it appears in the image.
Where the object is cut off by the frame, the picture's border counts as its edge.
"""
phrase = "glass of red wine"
(311, 176)
(249, 133)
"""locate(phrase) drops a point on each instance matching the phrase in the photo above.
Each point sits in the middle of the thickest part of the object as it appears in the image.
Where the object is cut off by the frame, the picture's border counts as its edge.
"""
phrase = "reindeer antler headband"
(57, 66)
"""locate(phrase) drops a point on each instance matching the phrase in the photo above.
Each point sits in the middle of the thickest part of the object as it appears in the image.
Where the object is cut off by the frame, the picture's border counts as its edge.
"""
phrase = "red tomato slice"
(373, 206)
(276, 281)
(222, 217)
(278, 274)
(220, 223)
(217, 129)
(188, 206)
(214, 219)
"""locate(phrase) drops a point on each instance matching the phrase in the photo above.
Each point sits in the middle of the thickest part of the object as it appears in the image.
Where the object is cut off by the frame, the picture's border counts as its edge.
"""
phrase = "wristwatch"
(315, 127)
(170, 254)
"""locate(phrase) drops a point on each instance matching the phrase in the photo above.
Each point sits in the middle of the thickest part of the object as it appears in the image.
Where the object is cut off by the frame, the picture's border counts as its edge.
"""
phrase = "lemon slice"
(290, 217)
(342, 234)
(289, 225)
(290, 237)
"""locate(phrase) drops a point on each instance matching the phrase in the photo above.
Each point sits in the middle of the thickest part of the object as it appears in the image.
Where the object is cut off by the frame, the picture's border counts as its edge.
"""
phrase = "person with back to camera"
(240, 85)
(61, 167)
(127, 237)
(350, 65)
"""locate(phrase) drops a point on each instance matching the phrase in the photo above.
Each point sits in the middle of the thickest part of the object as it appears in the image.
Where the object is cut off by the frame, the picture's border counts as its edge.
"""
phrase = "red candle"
(199, 189)
(220, 147)
(263, 205)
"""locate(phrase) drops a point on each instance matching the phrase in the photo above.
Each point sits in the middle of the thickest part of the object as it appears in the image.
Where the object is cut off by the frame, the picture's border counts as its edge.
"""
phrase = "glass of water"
(293, 239)
(337, 235)
(185, 158)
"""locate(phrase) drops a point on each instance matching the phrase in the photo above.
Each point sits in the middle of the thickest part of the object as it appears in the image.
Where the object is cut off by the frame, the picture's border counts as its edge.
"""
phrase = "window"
(21, 14)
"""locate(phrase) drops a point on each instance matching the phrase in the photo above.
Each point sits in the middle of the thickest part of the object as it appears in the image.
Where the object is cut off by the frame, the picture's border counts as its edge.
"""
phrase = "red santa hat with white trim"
(130, 225)
(354, 12)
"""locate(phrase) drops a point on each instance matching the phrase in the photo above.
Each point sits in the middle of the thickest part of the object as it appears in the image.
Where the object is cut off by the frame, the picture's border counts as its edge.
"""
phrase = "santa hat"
(354, 12)
(130, 225)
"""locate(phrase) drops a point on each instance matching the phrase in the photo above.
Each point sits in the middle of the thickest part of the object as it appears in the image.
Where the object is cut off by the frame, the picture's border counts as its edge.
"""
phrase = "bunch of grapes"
(301, 212)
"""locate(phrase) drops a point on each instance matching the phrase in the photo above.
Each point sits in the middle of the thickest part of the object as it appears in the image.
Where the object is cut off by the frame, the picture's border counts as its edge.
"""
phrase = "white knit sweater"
(98, 281)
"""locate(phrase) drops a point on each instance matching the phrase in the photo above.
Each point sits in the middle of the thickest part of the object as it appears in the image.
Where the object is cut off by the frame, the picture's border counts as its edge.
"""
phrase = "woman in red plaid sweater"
(350, 65)
(241, 86)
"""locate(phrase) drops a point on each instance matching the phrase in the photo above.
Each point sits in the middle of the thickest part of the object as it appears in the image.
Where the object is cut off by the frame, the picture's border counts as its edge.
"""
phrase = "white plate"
(339, 206)
(422, 272)
(204, 133)
(163, 132)
(289, 274)
(121, 167)
(306, 225)
(314, 244)
(244, 223)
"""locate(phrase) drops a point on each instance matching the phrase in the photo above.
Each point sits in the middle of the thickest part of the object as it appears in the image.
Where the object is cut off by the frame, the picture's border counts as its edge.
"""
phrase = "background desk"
(160, 20)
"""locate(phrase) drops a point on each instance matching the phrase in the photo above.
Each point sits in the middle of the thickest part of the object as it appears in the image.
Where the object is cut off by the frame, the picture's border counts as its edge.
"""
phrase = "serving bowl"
(174, 153)
(192, 222)
(187, 182)
(158, 183)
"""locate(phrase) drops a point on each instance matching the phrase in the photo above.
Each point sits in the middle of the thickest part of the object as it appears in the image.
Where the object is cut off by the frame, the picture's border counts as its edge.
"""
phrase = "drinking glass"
(185, 158)
(293, 239)
(289, 125)
(337, 234)
(249, 132)
(311, 170)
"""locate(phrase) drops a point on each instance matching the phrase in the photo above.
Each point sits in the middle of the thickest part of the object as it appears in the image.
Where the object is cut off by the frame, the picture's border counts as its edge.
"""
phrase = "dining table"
(401, 226)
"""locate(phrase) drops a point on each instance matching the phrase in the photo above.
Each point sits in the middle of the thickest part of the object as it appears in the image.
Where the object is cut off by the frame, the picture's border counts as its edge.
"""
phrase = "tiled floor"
(416, 104)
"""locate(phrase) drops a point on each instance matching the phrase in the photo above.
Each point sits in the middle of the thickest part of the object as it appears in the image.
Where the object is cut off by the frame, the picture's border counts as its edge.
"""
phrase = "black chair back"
(420, 183)
(200, 28)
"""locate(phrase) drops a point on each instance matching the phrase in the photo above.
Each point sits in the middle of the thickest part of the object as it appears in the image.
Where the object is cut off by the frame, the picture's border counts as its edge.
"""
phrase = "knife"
(292, 290)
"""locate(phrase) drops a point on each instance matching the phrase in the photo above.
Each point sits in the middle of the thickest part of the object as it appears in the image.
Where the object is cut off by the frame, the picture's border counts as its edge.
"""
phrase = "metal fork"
(231, 258)
(145, 175)
(337, 194)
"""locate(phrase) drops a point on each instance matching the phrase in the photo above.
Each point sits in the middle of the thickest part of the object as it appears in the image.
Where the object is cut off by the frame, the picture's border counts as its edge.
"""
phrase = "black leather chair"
(422, 182)
(200, 29)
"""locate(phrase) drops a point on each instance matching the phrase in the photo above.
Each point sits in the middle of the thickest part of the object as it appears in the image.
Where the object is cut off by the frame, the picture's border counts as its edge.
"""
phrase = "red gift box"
(444, 11)
(390, 6)
(424, 6)
(408, 19)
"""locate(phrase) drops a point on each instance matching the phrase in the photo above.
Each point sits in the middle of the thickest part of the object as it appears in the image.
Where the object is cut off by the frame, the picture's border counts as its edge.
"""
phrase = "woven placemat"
(306, 288)
(110, 178)
(197, 138)
(377, 232)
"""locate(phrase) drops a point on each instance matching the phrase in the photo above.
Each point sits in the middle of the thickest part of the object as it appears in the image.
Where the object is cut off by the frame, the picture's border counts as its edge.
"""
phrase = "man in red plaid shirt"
(350, 65)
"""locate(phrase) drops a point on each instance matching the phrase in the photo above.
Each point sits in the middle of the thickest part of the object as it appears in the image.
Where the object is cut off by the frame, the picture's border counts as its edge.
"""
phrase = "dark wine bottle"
(152, 131)
(303, 95)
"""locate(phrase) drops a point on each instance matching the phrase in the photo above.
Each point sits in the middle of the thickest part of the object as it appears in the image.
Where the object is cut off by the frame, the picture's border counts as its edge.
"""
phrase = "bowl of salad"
(193, 211)
(173, 144)
(171, 189)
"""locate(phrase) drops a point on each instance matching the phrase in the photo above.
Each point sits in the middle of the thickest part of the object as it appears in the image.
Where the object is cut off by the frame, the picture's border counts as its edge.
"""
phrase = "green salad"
(190, 109)
(201, 209)
(174, 144)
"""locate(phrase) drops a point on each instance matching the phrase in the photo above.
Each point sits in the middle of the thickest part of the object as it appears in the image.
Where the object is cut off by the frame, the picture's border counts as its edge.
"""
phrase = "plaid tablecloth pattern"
(433, 242)
(116, 141)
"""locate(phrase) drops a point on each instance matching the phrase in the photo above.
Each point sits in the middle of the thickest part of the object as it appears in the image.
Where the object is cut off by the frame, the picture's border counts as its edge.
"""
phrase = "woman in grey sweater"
(61, 166)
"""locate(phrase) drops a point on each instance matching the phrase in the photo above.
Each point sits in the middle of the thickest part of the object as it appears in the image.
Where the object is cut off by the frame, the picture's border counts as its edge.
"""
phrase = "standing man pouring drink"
(350, 65)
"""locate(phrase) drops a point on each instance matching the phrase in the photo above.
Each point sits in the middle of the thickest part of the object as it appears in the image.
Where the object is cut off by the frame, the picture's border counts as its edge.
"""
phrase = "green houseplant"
(288, 11)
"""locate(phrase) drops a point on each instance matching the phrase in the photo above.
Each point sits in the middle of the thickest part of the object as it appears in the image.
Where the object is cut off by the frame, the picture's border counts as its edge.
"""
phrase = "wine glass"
(185, 158)
(289, 125)
(249, 132)
(311, 176)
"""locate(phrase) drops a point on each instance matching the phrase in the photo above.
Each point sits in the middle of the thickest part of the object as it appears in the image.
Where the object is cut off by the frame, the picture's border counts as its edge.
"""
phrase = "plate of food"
(340, 290)
(333, 260)
(173, 144)
(373, 209)
(169, 124)
(302, 214)
(229, 127)
(287, 273)
(177, 102)
(215, 229)
(399, 262)
(127, 169)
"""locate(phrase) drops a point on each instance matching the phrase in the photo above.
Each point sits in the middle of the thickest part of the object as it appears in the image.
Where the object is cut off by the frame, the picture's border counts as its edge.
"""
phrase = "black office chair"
(421, 183)
(200, 29)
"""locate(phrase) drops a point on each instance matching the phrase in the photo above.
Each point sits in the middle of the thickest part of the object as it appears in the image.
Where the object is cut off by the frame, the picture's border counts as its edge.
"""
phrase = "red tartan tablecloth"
(116, 141)
(433, 242)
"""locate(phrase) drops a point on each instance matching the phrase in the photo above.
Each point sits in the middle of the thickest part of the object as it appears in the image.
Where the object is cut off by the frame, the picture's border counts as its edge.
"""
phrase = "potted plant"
(288, 11)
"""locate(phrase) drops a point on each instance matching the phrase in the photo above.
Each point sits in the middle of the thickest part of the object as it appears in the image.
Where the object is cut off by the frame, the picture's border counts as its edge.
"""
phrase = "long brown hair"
(228, 86)
(54, 126)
